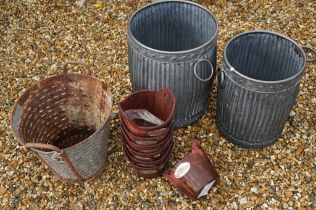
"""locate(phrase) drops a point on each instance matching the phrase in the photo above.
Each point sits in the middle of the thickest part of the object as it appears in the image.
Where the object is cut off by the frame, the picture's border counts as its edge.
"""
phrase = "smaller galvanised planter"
(194, 175)
(258, 86)
(160, 103)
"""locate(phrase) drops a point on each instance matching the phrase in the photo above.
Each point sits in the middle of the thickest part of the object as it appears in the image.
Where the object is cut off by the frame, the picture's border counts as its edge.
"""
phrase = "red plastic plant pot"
(147, 148)
(194, 175)
(147, 166)
(154, 151)
(161, 103)
(149, 172)
(148, 134)
(144, 140)
(146, 156)
(149, 163)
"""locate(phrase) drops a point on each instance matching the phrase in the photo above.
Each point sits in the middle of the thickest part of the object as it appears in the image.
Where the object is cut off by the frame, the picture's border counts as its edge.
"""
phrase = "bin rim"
(208, 42)
(232, 69)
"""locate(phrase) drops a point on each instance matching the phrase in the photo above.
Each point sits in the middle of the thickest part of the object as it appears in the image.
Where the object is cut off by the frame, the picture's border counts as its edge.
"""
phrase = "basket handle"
(65, 71)
(197, 76)
(220, 77)
(310, 50)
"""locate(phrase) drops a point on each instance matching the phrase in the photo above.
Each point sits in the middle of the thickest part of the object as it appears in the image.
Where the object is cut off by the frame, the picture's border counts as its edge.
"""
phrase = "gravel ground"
(37, 37)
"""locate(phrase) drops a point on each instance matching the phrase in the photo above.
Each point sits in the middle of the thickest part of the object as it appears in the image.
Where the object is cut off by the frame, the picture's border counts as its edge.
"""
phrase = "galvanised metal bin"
(257, 87)
(173, 44)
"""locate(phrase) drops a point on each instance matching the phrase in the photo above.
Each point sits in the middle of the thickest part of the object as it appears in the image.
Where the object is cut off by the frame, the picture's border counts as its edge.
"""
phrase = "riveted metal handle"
(65, 71)
(310, 50)
(197, 76)
(220, 76)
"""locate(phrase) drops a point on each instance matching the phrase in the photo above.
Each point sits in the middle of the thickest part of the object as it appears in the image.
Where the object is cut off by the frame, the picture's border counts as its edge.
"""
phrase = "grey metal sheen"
(257, 87)
(165, 41)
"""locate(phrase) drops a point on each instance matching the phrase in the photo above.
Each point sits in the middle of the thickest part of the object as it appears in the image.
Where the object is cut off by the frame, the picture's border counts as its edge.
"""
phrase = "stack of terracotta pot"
(147, 119)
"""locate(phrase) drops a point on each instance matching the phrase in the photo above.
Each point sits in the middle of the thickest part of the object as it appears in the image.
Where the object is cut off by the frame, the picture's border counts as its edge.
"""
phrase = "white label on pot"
(206, 189)
(182, 170)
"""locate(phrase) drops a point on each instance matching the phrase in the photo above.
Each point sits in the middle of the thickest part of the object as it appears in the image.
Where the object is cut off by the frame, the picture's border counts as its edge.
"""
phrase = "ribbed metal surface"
(166, 40)
(252, 113)
(90, 157)
(60, 167)
(252, 119)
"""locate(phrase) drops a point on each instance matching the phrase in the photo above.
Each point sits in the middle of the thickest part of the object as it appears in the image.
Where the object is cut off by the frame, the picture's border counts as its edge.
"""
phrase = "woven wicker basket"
(63, 119)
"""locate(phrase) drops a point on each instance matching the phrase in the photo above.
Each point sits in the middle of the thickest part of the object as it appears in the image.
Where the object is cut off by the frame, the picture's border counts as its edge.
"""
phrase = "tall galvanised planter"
(173, 44)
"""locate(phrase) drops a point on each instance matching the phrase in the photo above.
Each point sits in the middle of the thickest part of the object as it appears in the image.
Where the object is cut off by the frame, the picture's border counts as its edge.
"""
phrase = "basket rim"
(58, 77)
(271, 33)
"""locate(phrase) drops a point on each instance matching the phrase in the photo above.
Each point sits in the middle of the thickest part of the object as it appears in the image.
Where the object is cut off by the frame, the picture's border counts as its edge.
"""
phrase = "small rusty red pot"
(194, 175)
(160, 103)
(147, 134)
(147, 148)
(149, 155)
(149, 171)
(150, 163)
(144, 140)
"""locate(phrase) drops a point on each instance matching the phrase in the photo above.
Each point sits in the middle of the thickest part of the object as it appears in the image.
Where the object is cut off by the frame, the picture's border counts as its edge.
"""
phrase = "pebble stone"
(37, 37)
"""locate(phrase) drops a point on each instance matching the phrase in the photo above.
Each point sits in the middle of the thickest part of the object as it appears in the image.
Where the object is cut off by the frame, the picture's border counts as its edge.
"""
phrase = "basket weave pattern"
(63, 119)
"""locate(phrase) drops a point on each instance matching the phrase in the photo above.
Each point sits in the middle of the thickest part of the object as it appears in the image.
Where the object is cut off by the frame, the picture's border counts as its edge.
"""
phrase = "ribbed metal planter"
(173, 44)
(257, 87)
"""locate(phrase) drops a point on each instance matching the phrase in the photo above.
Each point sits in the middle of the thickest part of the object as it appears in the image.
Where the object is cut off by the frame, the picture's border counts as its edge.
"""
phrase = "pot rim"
(136, 138)
(142, 129)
